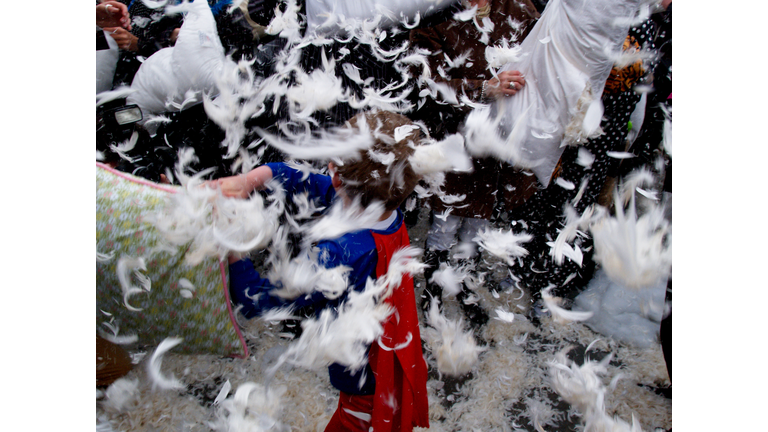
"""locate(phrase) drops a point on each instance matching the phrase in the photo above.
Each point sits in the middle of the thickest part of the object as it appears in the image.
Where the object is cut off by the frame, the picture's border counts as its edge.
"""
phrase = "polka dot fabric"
(185, 301)
(543, 213)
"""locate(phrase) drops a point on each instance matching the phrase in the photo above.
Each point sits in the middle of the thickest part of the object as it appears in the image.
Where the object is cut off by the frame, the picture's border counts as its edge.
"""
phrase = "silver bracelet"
(482, 93)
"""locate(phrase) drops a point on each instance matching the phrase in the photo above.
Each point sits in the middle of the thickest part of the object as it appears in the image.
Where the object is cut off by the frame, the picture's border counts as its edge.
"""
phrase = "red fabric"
(400, 400)
(343, 421)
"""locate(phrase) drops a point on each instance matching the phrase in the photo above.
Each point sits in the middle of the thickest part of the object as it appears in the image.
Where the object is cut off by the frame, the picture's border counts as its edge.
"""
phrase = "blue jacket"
(356, 250)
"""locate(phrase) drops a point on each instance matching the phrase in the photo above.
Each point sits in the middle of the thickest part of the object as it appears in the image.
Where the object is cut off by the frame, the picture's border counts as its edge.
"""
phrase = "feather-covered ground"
(508, 388)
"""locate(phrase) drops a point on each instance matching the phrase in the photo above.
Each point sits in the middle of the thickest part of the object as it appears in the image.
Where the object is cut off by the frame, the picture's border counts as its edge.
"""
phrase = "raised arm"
(241, 186)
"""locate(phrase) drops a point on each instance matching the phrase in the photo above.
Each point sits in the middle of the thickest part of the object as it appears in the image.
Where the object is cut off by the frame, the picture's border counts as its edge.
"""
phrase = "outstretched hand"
(507, 83)
(233, 187)
(241, 186)
(113, 14)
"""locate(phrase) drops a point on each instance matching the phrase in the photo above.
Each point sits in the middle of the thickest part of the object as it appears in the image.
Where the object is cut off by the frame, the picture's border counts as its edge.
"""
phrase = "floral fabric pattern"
(185, 301)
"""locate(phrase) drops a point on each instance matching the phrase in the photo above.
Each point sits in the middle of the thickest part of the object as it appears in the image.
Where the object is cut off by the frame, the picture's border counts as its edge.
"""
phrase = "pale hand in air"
(241, 186)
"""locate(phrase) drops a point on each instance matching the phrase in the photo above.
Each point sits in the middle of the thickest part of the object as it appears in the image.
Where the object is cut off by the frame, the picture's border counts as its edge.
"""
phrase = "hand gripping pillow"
(191, 302)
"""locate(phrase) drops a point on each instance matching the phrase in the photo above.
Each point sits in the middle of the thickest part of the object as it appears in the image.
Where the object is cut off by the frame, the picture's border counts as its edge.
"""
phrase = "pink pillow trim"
(222, 270)
(136, 179)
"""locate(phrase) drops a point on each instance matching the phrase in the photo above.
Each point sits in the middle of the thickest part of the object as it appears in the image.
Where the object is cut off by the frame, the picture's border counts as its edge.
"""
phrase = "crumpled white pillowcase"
(566, 57)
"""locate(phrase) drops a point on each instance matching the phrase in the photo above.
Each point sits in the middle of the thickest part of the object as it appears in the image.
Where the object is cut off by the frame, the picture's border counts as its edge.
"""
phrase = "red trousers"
(344, 420)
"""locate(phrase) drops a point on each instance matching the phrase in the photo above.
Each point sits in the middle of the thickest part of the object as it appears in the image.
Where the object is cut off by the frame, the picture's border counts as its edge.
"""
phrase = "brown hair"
(371, 180)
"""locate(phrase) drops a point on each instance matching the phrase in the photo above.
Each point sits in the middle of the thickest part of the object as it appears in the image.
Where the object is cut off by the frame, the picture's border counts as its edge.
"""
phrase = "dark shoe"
(474, 313)
(537, 311)
(661, 391)
(432, 259)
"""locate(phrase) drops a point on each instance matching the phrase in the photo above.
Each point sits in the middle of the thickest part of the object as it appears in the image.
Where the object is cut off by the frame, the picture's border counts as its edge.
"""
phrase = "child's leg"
(353, 414)
(440, 238)
(442, 234)
(468, 232)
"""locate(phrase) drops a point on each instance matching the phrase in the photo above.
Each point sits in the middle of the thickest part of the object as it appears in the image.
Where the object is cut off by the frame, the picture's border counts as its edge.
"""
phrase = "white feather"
(402, 132)
(223, 393)
(341, 219)
(585, 158)
(565, 184)
(498, 56)
(212, 223)
(449, 278)
(593, 117)
(109, 96)
(559, 313)
(582, 387)
(504, 316)
(619, 155)
(442, 156)
(455, 350)
(156, 361)
(123, 395)
(503, 244)
(253, 408)
(123, 148)
(634, 251)
(102, 257)
(466, 14)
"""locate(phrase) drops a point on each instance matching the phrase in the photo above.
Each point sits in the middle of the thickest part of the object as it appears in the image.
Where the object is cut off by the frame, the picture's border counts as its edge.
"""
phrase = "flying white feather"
(449, 278)
(442, 156)
(585, 158)
(582, 387)
(634, 251)
(455, 350)
(253, 408)
(123, 148)
(213, 225)
(155, 362)
(560, 314)
(504, 316)
(341, 219)
(503, 244)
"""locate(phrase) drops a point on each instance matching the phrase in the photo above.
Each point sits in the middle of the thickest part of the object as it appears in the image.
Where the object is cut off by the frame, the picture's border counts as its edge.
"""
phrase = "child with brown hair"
(390, 392)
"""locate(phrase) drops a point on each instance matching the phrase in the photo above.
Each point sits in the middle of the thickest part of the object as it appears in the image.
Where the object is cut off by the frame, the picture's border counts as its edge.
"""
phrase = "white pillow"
(106, 63)
(172, 74)
(566, 59)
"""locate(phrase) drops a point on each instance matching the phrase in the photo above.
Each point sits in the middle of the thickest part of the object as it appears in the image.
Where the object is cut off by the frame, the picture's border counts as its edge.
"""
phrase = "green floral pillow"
(167, 297)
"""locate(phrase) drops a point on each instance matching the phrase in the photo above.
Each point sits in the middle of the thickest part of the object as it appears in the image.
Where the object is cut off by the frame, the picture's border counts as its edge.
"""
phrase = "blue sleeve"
(318, 186)
(250, 290)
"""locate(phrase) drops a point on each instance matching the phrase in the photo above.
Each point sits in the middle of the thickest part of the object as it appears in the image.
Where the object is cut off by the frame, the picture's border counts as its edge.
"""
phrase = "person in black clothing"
(542, 214)
(151, 30)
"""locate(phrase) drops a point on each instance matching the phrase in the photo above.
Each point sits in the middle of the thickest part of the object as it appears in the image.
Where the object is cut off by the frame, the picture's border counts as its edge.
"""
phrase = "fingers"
(511, 82)
(122, 36)
(113, 13)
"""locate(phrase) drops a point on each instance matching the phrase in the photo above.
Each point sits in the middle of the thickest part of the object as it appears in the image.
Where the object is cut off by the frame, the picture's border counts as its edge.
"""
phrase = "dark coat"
(490, 178)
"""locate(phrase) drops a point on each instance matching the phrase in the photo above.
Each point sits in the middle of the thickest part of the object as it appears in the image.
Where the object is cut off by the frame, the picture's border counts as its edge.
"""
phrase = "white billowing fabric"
(390, 10)
(626, 314)
(191, 65)
(566, 60)
(106, 63)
